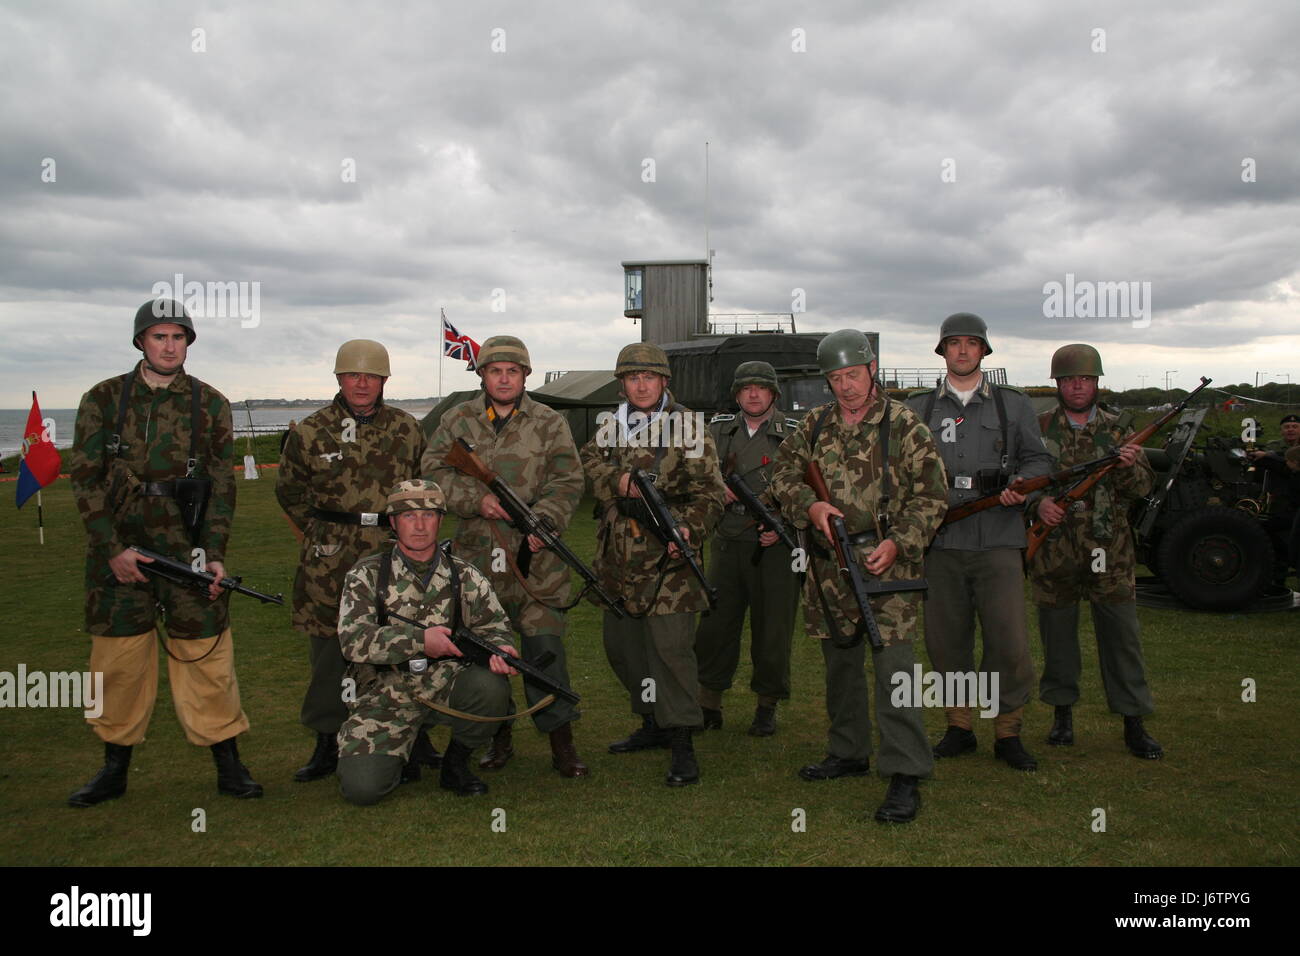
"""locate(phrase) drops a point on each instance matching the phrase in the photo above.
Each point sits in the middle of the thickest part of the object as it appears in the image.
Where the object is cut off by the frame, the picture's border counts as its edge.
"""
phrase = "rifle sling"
(519, 575)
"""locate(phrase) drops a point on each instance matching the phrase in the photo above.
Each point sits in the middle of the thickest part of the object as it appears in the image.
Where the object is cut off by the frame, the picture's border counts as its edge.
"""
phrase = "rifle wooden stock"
(1039, 530)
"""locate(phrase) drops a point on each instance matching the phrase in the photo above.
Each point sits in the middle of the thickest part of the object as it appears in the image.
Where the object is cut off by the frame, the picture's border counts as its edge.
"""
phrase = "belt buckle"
(1078, 507)
(370, 519)
(962, 481)
(419, 665)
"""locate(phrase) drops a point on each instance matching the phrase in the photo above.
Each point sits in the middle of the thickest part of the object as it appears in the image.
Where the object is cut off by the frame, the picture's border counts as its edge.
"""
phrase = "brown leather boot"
(501, 750)
(564, 757)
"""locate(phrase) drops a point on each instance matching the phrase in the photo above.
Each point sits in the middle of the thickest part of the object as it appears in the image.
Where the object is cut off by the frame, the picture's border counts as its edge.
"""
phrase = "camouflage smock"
(849, 458)
(385, 713)
(1061, 571)
(631, 564)
(535, 455)
(155, 448)
(318, 469)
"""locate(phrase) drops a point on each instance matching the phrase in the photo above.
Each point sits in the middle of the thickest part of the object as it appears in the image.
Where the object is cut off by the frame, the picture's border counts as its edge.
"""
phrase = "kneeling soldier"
(402, 672)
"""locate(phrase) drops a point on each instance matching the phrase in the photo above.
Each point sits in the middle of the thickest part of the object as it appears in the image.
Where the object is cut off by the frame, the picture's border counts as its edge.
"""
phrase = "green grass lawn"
(1226, 793)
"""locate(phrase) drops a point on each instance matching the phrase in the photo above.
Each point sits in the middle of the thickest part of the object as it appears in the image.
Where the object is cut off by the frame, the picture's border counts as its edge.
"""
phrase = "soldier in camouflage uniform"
(407, 676)
(529, 445)
(336, 470)
(1090, 554)
(845, 439)
(988, 437)
(652, 650)
(747, 444)
(136, 436)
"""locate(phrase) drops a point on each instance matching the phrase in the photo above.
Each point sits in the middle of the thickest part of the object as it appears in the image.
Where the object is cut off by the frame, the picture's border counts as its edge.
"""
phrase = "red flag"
(459, 346)
(40, 463)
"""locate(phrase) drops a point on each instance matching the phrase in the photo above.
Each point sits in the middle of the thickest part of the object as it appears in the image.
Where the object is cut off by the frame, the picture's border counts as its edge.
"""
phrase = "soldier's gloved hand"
(124, 567)
(497, 666)
(675, 552)
(768, 538)
(1128, 454)
(879, 560)
(437, 643)
(1051, 513)
(490, 507)
(218, 571)
(819, 514)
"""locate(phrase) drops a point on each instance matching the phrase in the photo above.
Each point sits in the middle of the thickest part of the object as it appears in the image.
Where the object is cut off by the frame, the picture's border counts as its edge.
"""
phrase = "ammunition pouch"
(192, 496)
(989, 481)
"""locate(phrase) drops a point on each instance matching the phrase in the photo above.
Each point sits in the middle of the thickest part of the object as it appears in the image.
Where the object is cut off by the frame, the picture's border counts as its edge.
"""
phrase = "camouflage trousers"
(121, 610)
(377, 737)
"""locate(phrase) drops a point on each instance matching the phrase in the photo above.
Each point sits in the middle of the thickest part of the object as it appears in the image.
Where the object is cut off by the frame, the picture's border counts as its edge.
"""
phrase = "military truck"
(1201, 530)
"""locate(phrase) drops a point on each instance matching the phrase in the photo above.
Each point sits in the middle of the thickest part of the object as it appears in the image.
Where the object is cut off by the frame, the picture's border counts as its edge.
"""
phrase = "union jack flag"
(459, 346)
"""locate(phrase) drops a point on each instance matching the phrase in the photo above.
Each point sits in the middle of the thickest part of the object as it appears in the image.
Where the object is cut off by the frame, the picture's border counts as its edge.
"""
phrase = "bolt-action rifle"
(527, 521)
(1039, 530)
(178, 572)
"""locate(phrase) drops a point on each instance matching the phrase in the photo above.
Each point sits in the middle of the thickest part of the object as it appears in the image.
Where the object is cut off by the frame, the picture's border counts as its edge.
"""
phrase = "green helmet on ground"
(416, 494)
(964, 323)
(1076, 360)
(755, 373)
(844, 349)
(362, 355)
(160, 312)
(503, 348)
(642, 357)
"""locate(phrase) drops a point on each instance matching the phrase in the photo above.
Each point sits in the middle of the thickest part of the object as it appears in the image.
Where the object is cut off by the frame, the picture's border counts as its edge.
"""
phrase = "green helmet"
(1076, 360)
(642, 357)
(755, 373)
(503, 348)
(416, 494)
(964, 323)
(843, 349)
(159, 312)
(362, 355)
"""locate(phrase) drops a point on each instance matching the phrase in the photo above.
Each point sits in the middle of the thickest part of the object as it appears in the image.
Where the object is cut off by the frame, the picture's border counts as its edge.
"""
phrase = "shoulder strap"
(817, 426)
(381, 588)
(115, 443)
(883, 515)
(445, 550)
(1000, 404)
(196, 421)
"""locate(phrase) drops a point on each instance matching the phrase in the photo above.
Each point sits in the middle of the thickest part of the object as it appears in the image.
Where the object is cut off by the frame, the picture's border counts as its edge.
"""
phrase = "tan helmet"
(503, 348)
(642, 357)
(1076, 360)
(362, 355)
(755, 373)
(416, 494)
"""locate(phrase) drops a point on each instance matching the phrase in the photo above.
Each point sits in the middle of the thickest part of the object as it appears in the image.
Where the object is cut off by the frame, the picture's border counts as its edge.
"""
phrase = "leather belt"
(416, 665)
(159, 489)
(367, 519)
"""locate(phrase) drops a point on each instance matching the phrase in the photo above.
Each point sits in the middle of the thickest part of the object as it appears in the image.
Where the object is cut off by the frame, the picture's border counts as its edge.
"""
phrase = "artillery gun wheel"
(1218, 559)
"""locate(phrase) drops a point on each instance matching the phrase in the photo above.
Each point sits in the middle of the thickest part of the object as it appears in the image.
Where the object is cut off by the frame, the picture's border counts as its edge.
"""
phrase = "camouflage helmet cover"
(964, 323)
(503, 348)
(1076, 359)
(362, 355)
(416, 494)
(755, 373)
(159, 312)
(844, 349)
(642, 357)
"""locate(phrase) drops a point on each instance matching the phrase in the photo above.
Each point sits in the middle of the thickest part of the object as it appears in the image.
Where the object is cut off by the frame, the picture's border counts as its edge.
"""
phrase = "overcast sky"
(896, 161)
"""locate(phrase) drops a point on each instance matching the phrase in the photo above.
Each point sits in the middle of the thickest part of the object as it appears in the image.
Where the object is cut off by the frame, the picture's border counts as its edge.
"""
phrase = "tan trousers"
(206, 692)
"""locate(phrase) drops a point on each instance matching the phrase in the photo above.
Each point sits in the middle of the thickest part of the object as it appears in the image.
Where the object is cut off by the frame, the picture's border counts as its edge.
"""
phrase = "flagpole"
(442, 348)
(40, 517)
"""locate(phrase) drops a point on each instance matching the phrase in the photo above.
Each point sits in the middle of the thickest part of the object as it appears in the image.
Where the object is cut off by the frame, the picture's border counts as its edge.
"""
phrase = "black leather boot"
(1139, 742)
(233, 779)
(109, 783)
(324, 759)
(455, 775)
(683, 770)
(1014, 753)
(712, 719)
(833, 767)
(955, 742)
(500, 751)
(646, 737)
(424, 752)
(764, 724)
(1062, 732)
(902, 800)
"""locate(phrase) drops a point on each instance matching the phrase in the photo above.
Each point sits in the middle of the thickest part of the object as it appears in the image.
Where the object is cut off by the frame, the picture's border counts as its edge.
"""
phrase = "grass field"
(1225, 794)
